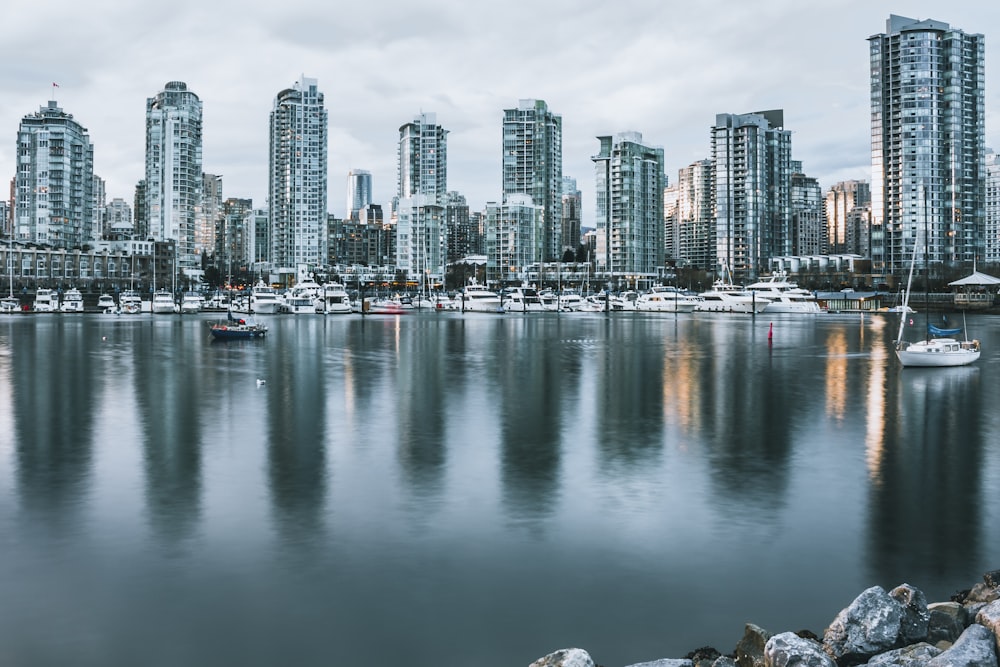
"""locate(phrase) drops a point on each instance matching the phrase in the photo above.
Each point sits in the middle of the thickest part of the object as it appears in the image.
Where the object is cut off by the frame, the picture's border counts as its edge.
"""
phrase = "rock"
(666, 662)
(567, 657)
(703, 657)
(992, 578)
(946, 623)
(975, 648)
(725, 661)
(789, 650)
(914, 655)
(989, 616)
(982, 593)
(913, 626)
(750, 649)
(870, 625)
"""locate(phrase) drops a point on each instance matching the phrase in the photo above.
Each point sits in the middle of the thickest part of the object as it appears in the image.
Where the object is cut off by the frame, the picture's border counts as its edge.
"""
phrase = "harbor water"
(474, 489)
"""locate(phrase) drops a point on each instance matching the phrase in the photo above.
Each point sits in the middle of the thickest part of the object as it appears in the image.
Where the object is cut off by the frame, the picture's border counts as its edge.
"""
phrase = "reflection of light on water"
(875, 426)
(836, 375)
(680, 395)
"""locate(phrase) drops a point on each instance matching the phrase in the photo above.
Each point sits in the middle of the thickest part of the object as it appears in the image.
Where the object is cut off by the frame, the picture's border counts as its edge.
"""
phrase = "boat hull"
(938, 353)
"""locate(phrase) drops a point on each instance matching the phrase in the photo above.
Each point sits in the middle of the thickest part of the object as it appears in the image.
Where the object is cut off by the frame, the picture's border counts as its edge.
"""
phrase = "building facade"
(208, 213)
(532, 165)
(174, 170)
(840, 201)
(928, 144)
(513, 237)
(422, 192)
(695, 220)
(808, 228)
(297, 187)
(572, 215)
(359, 192)
(992, 226)
(629, 215)
(751, 155)
(53, 187)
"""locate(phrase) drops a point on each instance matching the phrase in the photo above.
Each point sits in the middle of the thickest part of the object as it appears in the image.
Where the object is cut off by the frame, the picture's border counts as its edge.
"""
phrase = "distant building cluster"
(744, 209)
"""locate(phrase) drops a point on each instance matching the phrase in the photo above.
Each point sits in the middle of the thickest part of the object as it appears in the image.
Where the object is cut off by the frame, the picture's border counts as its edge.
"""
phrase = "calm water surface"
(450, 489)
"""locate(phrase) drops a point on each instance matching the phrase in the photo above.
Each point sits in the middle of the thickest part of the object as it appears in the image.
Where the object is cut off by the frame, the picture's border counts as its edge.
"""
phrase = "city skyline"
(630, 67)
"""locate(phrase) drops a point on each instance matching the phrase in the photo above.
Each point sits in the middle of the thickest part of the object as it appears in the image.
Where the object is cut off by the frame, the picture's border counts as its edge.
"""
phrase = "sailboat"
(939, 348)
(10, 303)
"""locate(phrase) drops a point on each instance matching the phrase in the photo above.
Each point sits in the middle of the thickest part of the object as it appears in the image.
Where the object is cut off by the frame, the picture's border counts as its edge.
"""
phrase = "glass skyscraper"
(297, 187)
(174, 170)
(53, 186)
(422, 192)
(928, 144)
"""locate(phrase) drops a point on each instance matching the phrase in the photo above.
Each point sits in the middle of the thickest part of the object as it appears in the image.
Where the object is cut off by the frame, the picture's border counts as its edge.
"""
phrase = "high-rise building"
(297, 189)
(512, 239)
(841, 200)
(992, 229)
(461, 235)
(572, 215)
(173, 170)
(118, 220)
(237, 236)
(751, 154)
(54, 181)
(532, 165)
(421, 232)
(99, 222)
(629, 214)
(808, 217)
(208, 214)
(928, 144)
(359, 192)
(695, 217)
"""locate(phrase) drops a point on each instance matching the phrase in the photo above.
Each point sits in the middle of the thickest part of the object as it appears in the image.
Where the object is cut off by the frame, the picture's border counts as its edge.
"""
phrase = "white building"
(422, 193)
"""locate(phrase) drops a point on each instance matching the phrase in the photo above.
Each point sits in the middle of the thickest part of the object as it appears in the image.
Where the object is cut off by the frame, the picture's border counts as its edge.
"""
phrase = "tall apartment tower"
(53, 186)
(359, 192)
(209, 211)
(928, 144)
(572, 215)
(992, 229)
(422, 193)
(840, 201)
(695, 219)
(808, 228)
(173, 170)
(629, 215)
(297, 187)
(751, 154)
(532, 165)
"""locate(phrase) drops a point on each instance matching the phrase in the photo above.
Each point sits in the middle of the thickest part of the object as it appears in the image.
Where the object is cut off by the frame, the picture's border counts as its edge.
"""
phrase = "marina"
(434, 476)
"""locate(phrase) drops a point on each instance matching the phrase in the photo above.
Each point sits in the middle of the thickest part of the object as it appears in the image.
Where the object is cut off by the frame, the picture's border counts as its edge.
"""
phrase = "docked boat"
(106, 304)
(729, 298)
(665, 299)
(130, 303)
(264, 299)
(236, 328)
(336, 300)
(191, 302)
(163, 302)
(395, 305)
(479, 299)
(522, 299)
(303, 297)
(45, 301)
(785, 296)
(10, 304)
(72, 301)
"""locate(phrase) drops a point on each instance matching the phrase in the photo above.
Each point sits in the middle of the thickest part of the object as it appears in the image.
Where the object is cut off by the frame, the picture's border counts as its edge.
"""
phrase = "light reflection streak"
(836, 375)
(876, 409)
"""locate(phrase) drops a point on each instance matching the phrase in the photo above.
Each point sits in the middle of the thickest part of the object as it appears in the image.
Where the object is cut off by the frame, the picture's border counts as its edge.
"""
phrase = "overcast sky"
(659, 67)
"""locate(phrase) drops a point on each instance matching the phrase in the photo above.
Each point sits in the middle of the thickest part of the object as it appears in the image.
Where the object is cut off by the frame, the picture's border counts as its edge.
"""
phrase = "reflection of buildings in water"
(924, 522)
(836, 375)
(53, 416)
(169, 412)
(296, 438)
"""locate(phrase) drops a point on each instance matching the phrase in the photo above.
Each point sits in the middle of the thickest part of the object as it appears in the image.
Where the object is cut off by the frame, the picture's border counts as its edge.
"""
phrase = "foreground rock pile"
(897, 628)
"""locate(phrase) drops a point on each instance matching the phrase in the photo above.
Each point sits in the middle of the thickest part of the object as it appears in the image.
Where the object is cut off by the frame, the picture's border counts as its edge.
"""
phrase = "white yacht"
(784, 296)
(479, 299)
(191, 302)
(665, 299)
(336, 300)
(264, 299)
(522, 299)
(72, 301)
(106, 304)
(130, 302)
(163, 302)
(45, 301)
(729, 298)
(301, 293)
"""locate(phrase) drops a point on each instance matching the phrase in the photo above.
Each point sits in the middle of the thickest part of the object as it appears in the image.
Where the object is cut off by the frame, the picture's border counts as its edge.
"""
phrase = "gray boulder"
(913, 626)
(869, 626)
(947, 621)
(750, 649)
(789, 650)
(989, 616)
(915, 655)
(665, 662)
(567, 657)
(975, 648)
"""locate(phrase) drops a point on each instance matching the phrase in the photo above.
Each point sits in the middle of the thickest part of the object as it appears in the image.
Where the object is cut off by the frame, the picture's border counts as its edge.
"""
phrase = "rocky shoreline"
(897, 628)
